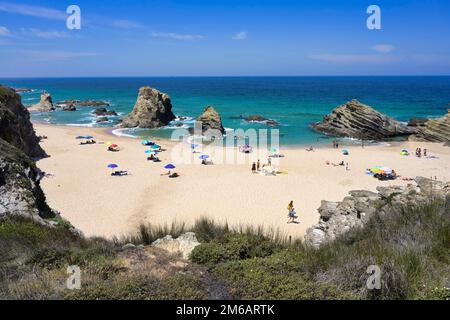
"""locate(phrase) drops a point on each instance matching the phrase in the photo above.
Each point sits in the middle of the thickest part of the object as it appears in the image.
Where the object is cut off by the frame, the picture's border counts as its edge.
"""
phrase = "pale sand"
(100, 205)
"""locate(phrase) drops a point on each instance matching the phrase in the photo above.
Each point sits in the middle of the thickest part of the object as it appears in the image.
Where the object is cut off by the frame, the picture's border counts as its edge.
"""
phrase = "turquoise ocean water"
(295, 102)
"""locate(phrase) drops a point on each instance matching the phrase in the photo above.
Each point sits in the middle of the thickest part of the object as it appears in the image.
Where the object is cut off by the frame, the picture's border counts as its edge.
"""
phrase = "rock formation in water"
(153, 109)
(258, 118)
(210, 120)
(435, 130)
(356, 120)
(82, 103)
(336, 218)
(15, 125)
(101, 112)
(45, 105)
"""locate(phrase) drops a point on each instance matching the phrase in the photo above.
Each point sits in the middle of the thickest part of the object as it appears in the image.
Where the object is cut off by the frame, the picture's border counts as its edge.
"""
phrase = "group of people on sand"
(335, 144)
(419, 152)
(256, 166)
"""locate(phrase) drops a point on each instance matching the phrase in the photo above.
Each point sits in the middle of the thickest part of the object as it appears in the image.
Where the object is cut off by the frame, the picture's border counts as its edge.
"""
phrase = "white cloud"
(177, 36)
(4, 31)
(240, 36)
(353, 58)
(126, 24)
(383, 48)
(33, 11)
(57, 55)
(46, 34)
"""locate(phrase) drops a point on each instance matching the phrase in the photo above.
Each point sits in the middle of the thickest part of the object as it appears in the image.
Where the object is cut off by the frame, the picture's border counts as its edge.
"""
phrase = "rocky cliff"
(153, 109)
(20, 193)
(336, 218)
(210, 120)
(44, 105)
(435, 130)
(15, 125)
(356, 120)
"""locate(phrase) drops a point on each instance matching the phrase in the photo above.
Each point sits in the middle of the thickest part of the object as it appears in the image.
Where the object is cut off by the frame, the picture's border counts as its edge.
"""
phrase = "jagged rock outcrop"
(82, 103)
(15, 124)
(101, 112)
(258, 118)
(434, 130)
(184, 244)
(210, 120)
(45, 105)
(20, 193)
(153, 109)
(356, 120)
(336, 218)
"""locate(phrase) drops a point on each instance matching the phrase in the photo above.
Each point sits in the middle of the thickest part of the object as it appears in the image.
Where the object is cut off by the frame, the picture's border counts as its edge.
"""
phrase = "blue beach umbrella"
(203, 157)
(155, 146)
(84, 137)
(112, 166)
(194, 145)
(150, 152)
(169, 166)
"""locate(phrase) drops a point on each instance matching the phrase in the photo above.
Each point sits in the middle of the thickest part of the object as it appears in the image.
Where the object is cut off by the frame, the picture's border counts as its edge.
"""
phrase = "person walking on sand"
(425, 152)
(254, 167)
(291, 215)
(258, 166)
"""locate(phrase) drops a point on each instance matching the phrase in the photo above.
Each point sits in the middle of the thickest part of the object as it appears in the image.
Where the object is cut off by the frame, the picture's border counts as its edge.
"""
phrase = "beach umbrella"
(114, 145)
(151, 152)
(203, 157)
(155, 146)
(108, 143)
(345, 152)
(169, 166)
(84, 137)
(112, 166)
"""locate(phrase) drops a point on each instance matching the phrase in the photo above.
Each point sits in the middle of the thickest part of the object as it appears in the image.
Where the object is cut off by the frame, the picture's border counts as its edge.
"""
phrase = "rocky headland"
(434, 130)
(15, 124)
(153, 109)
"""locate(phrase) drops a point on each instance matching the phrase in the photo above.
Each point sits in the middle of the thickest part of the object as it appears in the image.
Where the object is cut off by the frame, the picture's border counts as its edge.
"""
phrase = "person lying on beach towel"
(174, 175)
(119, 173)
(310, 149)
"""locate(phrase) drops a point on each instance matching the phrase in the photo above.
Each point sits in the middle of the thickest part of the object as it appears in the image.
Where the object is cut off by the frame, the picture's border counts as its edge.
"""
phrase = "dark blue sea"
(294, 102)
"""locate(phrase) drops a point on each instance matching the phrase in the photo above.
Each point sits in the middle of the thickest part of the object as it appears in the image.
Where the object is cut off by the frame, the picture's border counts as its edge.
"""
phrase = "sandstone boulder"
(183, 245)
(153, 109)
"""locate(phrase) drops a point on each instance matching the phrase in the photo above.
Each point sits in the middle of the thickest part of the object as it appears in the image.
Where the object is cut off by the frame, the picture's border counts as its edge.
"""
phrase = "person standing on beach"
(425, 152)
(253, 167)
(269, 161)
(292, 216)
(258, 165)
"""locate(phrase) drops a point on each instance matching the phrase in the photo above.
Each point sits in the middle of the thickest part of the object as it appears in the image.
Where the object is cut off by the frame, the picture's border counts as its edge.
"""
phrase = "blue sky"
(223, 38)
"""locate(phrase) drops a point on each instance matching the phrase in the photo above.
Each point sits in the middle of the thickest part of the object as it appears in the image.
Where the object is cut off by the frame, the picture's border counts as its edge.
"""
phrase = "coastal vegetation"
(411, 246)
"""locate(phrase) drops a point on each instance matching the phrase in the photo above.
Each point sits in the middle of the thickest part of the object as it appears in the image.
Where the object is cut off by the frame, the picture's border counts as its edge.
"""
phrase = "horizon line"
(227, 76)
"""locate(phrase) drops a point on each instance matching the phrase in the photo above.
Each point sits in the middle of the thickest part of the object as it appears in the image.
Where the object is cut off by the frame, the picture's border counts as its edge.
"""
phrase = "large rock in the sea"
(20, 192)
(44, 105)
(356, 120)
(210, 120)
(15, 125)
(153, 109)
(435, 130)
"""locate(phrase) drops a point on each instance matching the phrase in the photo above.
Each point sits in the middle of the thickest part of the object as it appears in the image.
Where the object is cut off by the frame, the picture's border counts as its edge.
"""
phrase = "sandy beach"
(80, 186)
